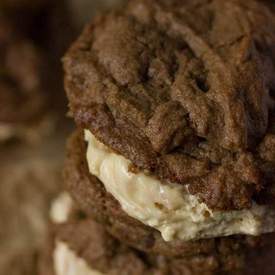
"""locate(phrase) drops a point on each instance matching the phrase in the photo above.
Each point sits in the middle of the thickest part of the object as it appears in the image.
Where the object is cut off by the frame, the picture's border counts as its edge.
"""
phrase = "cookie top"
(184, 91)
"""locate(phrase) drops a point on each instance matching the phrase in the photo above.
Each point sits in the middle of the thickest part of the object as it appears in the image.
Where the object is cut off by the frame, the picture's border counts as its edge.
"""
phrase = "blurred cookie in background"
(33, 128)
(23, 91)
(32, 42)
(30, 179)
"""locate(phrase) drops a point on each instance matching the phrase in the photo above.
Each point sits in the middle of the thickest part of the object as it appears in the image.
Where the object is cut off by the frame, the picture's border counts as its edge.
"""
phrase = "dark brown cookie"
(91, 196)
(175, 85)
(106, 254)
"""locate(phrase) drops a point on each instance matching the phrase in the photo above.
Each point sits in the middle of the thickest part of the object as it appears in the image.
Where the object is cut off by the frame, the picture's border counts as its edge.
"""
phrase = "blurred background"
(34, 35)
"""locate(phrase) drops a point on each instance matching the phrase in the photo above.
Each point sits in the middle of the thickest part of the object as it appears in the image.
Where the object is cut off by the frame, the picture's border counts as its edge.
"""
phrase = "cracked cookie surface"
(186, 92)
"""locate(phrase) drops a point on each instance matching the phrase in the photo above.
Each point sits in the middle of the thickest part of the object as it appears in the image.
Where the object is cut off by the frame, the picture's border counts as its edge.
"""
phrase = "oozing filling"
(66, 262)
(169, 207)
(61, 208)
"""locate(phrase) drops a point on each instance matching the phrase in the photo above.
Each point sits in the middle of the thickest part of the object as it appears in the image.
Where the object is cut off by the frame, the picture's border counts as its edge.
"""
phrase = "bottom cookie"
(81, 246)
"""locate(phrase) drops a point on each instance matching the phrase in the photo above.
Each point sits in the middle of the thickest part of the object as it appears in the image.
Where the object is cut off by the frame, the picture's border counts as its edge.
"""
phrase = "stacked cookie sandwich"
(171, 169)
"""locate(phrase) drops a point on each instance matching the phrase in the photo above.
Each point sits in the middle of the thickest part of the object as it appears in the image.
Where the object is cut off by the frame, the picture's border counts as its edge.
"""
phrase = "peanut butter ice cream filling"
(169, 207)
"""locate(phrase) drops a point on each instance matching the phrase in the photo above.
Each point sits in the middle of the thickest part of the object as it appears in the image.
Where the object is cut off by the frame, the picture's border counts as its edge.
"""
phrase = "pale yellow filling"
(66, 262)
(169, 207)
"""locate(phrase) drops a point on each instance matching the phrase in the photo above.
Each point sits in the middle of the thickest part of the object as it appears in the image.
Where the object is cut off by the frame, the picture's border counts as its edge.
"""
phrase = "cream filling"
(65, 261)
(61, 208)
(169, 207)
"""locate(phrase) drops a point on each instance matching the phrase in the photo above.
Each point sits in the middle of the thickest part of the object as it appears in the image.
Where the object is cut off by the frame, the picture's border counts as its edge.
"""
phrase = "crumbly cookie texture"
(184, 91)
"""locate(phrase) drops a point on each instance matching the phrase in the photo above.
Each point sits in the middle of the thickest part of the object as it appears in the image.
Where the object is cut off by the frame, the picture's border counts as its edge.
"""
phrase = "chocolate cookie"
(92, 197)
(183, 90)
(105, 254)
